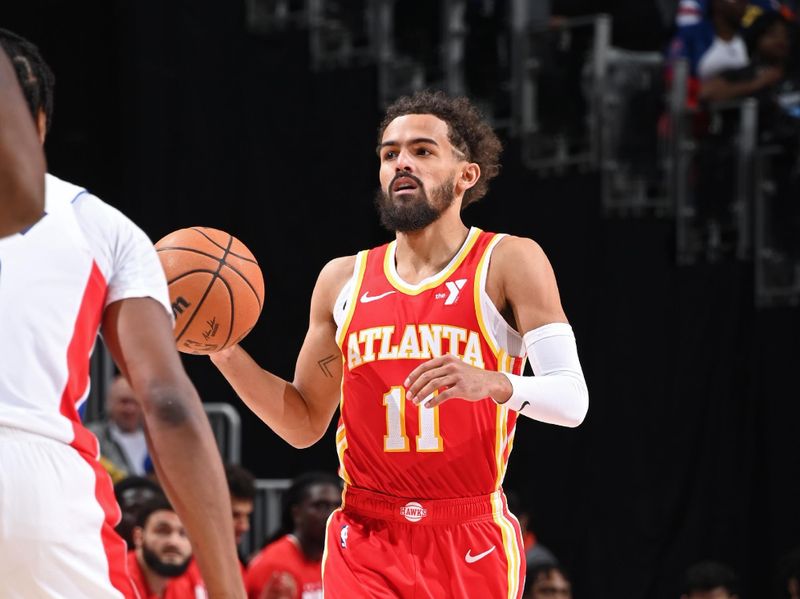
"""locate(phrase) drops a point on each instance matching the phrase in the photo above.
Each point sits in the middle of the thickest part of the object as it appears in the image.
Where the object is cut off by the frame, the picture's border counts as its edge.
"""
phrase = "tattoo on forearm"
(323, 364)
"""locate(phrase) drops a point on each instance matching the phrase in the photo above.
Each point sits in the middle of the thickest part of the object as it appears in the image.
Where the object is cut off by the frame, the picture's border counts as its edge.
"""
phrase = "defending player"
(81, 265)
(22, 163)
(422, 342)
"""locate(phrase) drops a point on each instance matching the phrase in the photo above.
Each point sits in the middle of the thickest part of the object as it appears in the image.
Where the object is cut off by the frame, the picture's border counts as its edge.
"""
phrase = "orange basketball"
(215, 287)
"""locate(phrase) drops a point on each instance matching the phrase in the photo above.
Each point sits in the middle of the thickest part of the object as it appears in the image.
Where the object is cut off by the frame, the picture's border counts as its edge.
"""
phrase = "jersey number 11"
(395, 439)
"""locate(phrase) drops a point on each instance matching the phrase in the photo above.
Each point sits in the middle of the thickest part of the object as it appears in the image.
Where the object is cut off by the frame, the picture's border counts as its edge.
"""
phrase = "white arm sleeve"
(558, 393)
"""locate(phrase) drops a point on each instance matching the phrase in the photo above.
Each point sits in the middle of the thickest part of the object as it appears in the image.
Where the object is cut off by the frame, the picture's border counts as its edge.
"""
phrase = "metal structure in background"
(269, 16)
(559, 90)
(712, 234)
(397, 74)
(679, 149)
(227, 427)
(225, 421)
(102, 370)
(632, 151)
(777, 280)
(267, 513)
(571, 97)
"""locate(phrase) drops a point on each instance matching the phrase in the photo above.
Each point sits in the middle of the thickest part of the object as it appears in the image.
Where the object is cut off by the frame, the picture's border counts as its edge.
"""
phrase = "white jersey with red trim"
(56, 279)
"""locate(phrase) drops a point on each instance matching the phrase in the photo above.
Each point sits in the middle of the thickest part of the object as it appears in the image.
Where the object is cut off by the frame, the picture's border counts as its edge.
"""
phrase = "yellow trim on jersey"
(477, 294)
(501, 435)
(510, 545)
(341, 447)
(341, 435)
(360, 268)
(401, 285)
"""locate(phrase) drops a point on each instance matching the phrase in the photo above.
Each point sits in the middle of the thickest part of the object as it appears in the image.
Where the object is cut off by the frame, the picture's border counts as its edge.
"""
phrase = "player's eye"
(423, 152)
(389, 155)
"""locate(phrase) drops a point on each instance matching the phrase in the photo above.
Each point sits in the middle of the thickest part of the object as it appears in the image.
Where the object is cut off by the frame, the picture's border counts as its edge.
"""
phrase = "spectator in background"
(123, 447)
(788, 576)
(547, 581)
(708, 37)
(162, 554)
(290, 567)
(131, 494)
(710, 580)
(242, 486)
(772, 78)
(535, 552)
(769, 43)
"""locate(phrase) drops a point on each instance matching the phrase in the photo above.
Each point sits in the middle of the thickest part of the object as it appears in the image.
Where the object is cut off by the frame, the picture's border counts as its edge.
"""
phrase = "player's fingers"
(421, 369)
(441, 397)
(422, 382)
(431, 387)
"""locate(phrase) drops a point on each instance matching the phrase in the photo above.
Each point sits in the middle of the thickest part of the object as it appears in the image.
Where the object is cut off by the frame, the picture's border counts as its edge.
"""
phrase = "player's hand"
(452, 377)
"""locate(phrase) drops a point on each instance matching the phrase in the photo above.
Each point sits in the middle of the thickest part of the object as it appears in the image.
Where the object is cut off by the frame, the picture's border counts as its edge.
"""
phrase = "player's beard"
(416, 211)
(165, 569)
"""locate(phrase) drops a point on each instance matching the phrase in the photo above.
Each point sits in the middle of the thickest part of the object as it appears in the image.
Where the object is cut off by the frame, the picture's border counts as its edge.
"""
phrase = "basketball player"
(81, 265)
(22, 163)
(422, 343)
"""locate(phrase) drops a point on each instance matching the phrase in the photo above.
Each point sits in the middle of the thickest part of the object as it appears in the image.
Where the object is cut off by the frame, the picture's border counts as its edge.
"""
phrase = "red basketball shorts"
(384, 547)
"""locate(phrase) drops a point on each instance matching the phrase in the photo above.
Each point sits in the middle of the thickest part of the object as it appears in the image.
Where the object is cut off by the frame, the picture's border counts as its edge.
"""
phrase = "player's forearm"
(22, 164)
(274, 400)
(190, 470)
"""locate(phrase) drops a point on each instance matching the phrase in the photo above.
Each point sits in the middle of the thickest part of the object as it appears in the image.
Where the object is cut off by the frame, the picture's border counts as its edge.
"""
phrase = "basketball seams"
(216, 259)
(214, 277)
(190, 272)
(227, 250)
(233, 312)
(246, 280)
(183, 249)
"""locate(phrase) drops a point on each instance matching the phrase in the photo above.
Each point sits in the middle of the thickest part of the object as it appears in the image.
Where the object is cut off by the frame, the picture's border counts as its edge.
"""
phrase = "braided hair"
(35, 77)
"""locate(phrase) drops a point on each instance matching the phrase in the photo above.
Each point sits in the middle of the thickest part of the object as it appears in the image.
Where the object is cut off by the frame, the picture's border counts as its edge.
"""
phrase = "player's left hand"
(452, 377)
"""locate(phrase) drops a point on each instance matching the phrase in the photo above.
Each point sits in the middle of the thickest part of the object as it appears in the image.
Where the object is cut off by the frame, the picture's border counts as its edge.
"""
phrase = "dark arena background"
(262, 123)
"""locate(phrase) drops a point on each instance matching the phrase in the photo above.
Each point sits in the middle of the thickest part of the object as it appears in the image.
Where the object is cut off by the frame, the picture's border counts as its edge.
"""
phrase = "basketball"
(215, 287)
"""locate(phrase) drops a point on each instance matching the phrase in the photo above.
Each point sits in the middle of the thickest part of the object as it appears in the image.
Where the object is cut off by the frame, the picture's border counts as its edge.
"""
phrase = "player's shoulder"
(89, 209)
(336, 273)
(512, 247)
(514, 256)
(60, 193)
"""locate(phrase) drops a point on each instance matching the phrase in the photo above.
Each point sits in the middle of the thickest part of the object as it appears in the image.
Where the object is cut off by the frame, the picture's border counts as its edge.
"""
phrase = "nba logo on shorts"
(413, 512)
(343, 535)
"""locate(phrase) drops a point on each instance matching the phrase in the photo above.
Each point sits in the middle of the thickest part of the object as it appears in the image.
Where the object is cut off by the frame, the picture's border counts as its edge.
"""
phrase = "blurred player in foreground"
(81, 266)
(22, 164)
(422, 342)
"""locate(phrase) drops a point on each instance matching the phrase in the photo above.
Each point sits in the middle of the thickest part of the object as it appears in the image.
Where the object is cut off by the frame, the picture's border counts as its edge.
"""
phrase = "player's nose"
(404, 162)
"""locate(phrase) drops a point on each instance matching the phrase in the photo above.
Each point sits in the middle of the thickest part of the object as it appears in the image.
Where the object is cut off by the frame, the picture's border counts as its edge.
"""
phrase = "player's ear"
(470, 173)
(41, 124)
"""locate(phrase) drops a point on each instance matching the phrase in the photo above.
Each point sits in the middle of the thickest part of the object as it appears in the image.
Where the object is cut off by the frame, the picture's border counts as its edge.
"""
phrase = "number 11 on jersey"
(395, 439)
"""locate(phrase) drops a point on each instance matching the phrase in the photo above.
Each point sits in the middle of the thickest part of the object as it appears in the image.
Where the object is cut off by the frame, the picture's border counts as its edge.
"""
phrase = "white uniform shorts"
(57, 513)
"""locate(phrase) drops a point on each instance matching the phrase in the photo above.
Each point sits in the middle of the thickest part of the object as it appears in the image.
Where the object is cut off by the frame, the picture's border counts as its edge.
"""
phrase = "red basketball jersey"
(386, 329)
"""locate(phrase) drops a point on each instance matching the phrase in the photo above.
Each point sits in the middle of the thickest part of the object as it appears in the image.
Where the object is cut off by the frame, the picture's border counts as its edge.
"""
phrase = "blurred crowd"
(737, 49)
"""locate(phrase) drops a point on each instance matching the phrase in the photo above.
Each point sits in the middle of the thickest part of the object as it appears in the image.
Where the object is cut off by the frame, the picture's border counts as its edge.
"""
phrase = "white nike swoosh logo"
(366, 298)
(471, 559)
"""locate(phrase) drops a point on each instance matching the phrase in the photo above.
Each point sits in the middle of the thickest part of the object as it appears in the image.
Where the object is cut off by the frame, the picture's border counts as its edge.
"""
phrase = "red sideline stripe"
(83, 337)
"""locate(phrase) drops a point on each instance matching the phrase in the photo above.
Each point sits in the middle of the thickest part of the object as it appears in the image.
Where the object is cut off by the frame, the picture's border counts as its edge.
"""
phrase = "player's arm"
(22, 164)
(138, 333)
(299, 411)
(520, 282)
